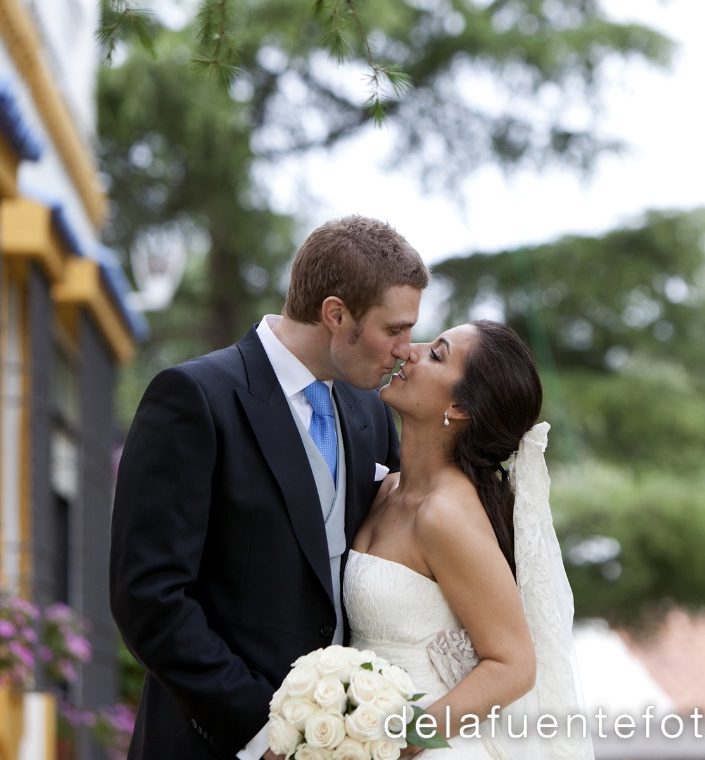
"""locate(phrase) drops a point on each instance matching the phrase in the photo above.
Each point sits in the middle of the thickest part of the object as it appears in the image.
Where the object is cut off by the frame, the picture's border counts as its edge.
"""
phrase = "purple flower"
(59, 613)
(22, 653)
(67, 671)
(7, 630)
(26, 608)
(30, 635)
(79, 647)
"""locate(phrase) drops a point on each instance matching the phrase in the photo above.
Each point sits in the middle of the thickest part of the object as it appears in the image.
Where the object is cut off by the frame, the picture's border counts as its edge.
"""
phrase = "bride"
(456, 574)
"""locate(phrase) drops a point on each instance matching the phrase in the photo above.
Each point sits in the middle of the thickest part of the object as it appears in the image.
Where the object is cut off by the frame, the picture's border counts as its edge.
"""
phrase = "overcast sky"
(660, 114)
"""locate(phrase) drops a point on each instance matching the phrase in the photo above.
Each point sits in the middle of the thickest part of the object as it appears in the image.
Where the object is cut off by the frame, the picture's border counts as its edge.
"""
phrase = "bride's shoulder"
(451, 510)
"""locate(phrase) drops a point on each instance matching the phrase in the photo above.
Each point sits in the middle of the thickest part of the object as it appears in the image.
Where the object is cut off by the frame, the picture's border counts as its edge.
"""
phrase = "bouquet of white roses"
(340, 703)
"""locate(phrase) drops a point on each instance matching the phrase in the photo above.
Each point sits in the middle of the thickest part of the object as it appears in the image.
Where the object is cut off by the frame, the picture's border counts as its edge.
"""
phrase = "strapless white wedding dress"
(402, 615)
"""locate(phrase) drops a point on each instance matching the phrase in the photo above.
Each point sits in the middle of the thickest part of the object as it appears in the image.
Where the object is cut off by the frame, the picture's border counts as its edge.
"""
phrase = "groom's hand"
(269, 755)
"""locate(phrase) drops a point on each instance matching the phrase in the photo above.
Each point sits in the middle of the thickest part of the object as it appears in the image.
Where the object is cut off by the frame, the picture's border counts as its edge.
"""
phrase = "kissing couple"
(265, 507)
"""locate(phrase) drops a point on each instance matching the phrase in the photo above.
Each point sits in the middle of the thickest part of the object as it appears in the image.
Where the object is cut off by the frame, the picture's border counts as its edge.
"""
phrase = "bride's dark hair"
(500, 391)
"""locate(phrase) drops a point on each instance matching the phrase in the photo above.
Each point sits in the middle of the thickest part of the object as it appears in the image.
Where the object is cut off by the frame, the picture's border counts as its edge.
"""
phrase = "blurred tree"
(632, 543)
(592, 302)
(178, 149)
(218, 46)
(175, 148)
(618, 324)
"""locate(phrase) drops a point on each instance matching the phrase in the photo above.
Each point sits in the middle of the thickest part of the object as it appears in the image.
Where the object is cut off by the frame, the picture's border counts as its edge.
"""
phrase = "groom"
(241, 485)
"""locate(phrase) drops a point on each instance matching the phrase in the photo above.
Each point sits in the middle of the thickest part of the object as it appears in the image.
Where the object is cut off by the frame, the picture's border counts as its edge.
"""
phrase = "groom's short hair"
(354, 258)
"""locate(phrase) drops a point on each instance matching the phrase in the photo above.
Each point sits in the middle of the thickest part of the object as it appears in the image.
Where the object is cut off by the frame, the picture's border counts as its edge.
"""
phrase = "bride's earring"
(446, 421)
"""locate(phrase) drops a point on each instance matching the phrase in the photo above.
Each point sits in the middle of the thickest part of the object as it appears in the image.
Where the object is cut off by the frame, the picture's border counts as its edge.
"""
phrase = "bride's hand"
(269, 755)
(410, 750)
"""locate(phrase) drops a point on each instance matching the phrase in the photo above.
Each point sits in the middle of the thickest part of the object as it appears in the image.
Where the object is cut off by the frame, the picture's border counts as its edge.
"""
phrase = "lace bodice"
(388, 601)
(403, 616)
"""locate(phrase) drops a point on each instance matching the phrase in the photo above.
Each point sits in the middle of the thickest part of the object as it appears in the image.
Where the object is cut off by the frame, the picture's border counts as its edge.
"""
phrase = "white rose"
(283, 737)
(399, 679)
(360, 656)
(385, 749)
(277, 700)
(365, 723)
(325, 730)
(364, 685)
(301, 681)
(389, 700)
(381, 663)
(351, 749)
(307, 752)
(311, 658)
(330, 694)
(335, 661)
(297, 711)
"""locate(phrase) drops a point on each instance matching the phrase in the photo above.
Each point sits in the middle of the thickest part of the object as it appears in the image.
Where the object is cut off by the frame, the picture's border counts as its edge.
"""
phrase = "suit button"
(326, 631)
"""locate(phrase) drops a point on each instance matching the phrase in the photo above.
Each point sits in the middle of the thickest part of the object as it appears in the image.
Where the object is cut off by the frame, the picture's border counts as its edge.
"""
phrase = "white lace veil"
(548, 604)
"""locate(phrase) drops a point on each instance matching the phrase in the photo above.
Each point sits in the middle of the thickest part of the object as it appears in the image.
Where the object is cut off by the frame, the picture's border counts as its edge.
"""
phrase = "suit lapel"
(269, 414)
(359, 459)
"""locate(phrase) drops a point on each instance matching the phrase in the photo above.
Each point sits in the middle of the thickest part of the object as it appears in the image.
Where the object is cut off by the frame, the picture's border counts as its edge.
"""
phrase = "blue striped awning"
(15, 127)
(119, 286)
(111, 270)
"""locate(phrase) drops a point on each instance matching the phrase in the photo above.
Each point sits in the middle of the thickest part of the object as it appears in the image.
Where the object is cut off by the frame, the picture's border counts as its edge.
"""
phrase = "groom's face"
(364, 351)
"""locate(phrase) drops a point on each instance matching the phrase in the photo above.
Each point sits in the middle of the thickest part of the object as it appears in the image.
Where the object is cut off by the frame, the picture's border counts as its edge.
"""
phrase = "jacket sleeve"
(160, 520)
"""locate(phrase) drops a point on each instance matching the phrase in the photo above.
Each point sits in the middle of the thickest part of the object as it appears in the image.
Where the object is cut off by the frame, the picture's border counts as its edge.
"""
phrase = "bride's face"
(422, 388)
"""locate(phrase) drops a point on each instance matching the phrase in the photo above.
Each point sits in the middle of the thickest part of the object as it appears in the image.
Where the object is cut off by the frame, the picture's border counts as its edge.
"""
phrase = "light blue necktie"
(322, 427)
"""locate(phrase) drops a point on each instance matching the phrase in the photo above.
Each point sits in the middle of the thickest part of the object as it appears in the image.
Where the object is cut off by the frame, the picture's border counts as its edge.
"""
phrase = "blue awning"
(119, 286)
(111, 270)
(15, 126)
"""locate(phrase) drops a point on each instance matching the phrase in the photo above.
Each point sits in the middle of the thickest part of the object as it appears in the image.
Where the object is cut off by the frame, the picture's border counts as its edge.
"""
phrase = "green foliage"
(593, 301)
(427, 65)
(176, 148)
(179, 149)
(130, 675)
(123, 23)
(413, 737)
(218, 51)
(658, 522)
(617, 323)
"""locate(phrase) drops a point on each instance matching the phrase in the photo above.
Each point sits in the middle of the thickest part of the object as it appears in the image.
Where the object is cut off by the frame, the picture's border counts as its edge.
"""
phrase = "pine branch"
(387, 82)
(219, 53)
(383, 77)
(123, 23)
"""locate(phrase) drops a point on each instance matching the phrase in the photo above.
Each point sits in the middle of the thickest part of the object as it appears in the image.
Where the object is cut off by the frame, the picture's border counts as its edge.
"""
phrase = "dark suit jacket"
(219, 570)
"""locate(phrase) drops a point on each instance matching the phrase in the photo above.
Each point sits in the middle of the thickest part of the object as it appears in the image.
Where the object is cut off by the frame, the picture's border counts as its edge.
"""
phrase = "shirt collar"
(292, 373)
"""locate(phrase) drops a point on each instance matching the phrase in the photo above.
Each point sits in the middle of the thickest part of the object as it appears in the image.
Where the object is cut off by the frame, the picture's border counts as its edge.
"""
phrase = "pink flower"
(67, 671)
(22, 653)
(79, 647)
(59, 613)
(7, 630)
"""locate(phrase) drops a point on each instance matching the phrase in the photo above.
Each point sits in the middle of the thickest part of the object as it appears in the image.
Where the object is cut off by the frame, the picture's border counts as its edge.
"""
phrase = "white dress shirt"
(292, 374)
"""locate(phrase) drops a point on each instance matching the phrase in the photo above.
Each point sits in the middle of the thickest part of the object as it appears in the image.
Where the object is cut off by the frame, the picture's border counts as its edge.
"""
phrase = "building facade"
(65, 328)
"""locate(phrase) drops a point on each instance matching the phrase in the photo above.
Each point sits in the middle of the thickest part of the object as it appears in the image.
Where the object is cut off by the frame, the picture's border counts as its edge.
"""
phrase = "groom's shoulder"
(216, 369)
